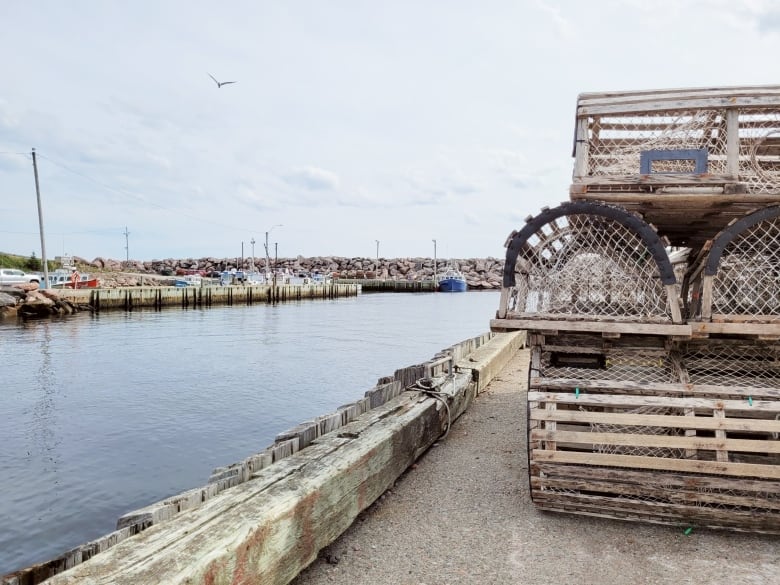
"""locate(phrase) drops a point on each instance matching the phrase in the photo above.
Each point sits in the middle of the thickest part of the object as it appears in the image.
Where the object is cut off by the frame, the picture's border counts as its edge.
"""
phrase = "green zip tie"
(688, 530)
(576, 393)
(750, 400)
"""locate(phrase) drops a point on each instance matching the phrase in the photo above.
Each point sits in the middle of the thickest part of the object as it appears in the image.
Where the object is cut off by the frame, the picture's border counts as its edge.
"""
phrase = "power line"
(138, 197)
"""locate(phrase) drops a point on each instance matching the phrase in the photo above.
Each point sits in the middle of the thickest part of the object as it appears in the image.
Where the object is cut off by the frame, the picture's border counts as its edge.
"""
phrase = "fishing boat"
(452, 280)
(188, 280)
(69, 277)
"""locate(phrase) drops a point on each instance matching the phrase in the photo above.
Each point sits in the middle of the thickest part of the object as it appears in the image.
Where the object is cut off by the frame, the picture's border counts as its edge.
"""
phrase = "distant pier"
(157, 297)
(379, 285)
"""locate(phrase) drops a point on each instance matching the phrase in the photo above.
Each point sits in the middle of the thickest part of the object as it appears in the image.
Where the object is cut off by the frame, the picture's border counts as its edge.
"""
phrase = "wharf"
(463, 515)
(157, 297)
(379, 285)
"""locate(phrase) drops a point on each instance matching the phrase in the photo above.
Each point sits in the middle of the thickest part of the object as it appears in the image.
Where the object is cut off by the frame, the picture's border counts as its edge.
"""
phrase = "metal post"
(267, 260)
(253, 253)
(40, 224)
(434, 263)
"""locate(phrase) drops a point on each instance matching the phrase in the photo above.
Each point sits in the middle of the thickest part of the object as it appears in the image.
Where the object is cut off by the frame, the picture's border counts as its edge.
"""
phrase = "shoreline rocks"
(27, 301)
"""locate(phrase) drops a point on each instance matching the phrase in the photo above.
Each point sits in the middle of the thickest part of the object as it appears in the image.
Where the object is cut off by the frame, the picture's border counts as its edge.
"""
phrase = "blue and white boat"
(452, 281)
(188, 280)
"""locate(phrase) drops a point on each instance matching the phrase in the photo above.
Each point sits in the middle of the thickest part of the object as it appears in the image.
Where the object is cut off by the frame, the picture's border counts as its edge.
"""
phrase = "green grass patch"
(28, 263)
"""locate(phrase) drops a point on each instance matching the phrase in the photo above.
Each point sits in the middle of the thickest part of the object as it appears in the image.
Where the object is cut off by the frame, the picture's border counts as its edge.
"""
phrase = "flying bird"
(220, 83)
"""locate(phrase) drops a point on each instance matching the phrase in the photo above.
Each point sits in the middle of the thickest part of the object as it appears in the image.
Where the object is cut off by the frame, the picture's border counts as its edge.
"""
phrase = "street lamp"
(434, 262)
(266, 245)
(252, 241)
(377, 254)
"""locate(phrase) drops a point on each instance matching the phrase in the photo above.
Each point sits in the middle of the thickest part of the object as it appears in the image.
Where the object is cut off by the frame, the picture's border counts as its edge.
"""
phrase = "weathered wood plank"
(659, 463)
(658, 420)
(654, 388)
(633, 401)
(667, 480)
(662, 494)
(592, 326)
(678, 515)
(590, 439)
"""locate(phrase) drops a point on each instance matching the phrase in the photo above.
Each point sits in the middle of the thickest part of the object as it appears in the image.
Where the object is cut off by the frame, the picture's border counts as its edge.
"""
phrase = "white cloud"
(313, 179)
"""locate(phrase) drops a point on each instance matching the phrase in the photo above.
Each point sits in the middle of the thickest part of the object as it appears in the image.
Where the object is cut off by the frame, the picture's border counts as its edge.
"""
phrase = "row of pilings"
(191, 297)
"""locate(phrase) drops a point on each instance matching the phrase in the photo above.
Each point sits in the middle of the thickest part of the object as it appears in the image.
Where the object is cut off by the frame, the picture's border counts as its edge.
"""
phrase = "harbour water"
(105, 414)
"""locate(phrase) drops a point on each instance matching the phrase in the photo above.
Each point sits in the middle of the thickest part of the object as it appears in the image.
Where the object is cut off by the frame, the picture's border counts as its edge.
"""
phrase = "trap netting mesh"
(759, 149)
(641, 366)
(616, 141)
(748, 277)
(641, 450)
(733, 365)
(588, 266)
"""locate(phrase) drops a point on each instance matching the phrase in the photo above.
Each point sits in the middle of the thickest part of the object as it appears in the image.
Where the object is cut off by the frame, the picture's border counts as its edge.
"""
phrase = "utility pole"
(127, 246)
(267, 260)
(377, 254)
(276, 254)
(434, 262)
(40, 224)
(253, 253)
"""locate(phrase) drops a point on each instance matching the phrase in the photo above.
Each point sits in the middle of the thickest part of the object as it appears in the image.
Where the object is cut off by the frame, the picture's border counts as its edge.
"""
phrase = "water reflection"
(43, 423)
(104, 416)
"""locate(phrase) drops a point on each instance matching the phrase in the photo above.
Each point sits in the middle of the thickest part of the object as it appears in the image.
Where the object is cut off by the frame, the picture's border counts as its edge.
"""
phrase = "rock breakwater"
(480, 273)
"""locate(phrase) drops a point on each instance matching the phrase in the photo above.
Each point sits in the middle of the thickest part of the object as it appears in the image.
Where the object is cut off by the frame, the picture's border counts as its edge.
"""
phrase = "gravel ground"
(462, 514)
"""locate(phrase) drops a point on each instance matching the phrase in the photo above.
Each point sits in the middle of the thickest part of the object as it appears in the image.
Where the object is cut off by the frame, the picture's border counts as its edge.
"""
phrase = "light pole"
(266, 245)
(434, 262)
(252, 241)
(377, 254)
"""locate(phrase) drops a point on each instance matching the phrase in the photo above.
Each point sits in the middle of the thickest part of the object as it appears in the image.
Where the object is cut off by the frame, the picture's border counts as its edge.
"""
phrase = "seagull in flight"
(220, 83)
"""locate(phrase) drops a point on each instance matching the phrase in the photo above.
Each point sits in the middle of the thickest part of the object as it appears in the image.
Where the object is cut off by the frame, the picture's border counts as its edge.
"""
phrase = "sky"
(350, 122)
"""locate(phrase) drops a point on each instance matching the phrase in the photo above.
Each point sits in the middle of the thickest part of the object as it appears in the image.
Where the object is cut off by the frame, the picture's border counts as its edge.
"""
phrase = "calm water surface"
(105, 414)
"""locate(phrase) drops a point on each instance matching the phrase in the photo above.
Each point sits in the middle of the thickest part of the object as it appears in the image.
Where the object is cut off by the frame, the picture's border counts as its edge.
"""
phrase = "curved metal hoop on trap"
(741, 273)
(588, 260)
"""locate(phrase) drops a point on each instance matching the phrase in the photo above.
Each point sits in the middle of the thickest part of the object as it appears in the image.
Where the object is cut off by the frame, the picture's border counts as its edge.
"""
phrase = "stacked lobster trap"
(652, 304)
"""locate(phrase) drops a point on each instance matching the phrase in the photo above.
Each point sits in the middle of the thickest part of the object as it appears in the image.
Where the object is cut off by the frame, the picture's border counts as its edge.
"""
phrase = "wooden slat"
(592, 326)
(659, 179)
(681, 103)
(668, 480)
(767, 329)
(682, 201)
(674, 514)
(723, 318)
(658, 420)
(720, 434)
(659, 463)
(654, 388)
(658, 441)
(673, 496)
(654, 95)
(631, 401)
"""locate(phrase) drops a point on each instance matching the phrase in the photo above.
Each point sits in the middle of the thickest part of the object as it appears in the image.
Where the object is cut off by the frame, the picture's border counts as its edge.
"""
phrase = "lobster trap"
(652, 303)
